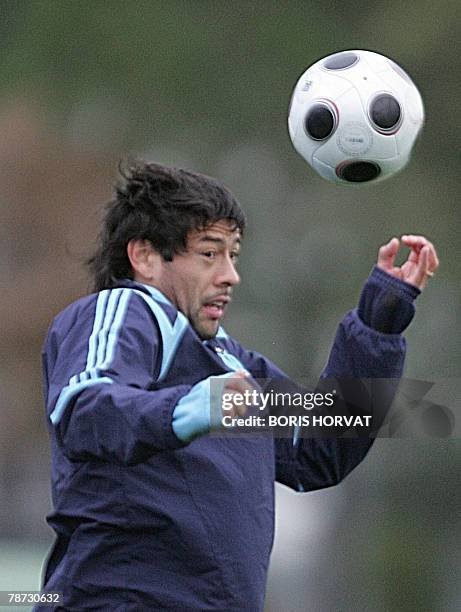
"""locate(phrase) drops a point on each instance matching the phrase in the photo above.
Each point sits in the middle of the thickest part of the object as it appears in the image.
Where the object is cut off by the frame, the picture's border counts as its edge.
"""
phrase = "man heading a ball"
(150, 511)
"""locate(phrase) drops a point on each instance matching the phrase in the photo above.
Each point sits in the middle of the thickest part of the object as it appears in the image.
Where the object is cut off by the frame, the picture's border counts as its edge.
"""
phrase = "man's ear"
(144, 260)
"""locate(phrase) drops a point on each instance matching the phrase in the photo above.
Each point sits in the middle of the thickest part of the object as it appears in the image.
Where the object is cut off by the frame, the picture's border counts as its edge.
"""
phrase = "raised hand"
(421, 263)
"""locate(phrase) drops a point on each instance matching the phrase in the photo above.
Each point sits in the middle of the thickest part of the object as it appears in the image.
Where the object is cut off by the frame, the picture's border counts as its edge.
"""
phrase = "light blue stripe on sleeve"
(70, 392)
(110, 311)
(296, 437)
(98, 321)
(115, 329)
(296, 434)
(107, 336)
(108, 319)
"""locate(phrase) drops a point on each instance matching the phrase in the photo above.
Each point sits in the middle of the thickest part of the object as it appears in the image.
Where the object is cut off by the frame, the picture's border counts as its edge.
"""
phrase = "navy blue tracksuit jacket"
(144, 521)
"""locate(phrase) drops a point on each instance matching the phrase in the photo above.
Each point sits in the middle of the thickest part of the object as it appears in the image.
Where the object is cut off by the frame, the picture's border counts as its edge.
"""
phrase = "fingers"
(422, 261)
(236, 404)
(416, 244)
(386, 256)
(239, 382)
(419, 273)
(239, 385)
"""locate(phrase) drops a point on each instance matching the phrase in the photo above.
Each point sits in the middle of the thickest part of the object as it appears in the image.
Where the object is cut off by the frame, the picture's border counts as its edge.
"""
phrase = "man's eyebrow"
(216, 240)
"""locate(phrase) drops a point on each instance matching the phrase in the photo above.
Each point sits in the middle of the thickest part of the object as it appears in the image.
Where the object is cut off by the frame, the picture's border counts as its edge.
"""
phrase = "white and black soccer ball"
(354, 117)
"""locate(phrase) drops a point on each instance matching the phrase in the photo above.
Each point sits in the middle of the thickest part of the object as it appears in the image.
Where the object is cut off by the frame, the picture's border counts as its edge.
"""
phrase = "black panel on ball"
(385, 111)
(319, 122)
(358, 171)
(339, 61)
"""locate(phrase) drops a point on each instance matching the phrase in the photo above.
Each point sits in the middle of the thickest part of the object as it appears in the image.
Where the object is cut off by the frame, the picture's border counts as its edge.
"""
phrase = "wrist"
(386, 302)
(399, 286)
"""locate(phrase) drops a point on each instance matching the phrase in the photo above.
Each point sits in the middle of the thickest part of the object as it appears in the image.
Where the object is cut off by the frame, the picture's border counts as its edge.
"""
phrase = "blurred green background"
(206, 85)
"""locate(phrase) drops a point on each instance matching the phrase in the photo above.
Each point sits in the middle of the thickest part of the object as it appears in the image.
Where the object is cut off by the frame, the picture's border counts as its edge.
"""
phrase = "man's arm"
(99, 379)
(358, 352)
(361, 350)
(306, 463)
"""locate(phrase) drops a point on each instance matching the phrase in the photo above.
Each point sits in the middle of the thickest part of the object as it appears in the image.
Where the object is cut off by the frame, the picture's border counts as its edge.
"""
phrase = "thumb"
(387, 253)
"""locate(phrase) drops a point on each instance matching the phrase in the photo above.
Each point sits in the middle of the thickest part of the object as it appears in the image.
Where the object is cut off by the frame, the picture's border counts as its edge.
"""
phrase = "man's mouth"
(215, 308)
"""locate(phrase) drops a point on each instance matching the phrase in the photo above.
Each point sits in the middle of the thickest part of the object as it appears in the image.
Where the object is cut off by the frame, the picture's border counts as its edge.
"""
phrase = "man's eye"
(235, 257)
(209, 254)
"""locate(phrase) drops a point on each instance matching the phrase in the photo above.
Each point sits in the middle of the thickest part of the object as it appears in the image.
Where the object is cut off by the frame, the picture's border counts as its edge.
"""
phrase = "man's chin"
(207, 331)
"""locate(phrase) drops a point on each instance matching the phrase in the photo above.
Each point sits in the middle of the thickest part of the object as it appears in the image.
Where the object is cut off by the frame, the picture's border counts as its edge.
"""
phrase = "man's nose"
(227, 273)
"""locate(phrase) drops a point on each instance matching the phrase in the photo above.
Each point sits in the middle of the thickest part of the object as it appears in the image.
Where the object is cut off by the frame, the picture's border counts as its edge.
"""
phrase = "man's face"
(199, 281)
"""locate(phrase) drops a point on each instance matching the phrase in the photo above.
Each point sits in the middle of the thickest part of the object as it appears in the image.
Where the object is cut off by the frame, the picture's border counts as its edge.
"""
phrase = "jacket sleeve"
(358, 351)
(101, 374)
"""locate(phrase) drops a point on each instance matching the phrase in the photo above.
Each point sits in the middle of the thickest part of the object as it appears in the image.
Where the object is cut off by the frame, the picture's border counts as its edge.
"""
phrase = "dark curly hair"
(160, 204)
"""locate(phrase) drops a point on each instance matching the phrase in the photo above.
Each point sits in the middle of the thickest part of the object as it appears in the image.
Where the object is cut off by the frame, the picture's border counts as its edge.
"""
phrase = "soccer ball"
(354, 117)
